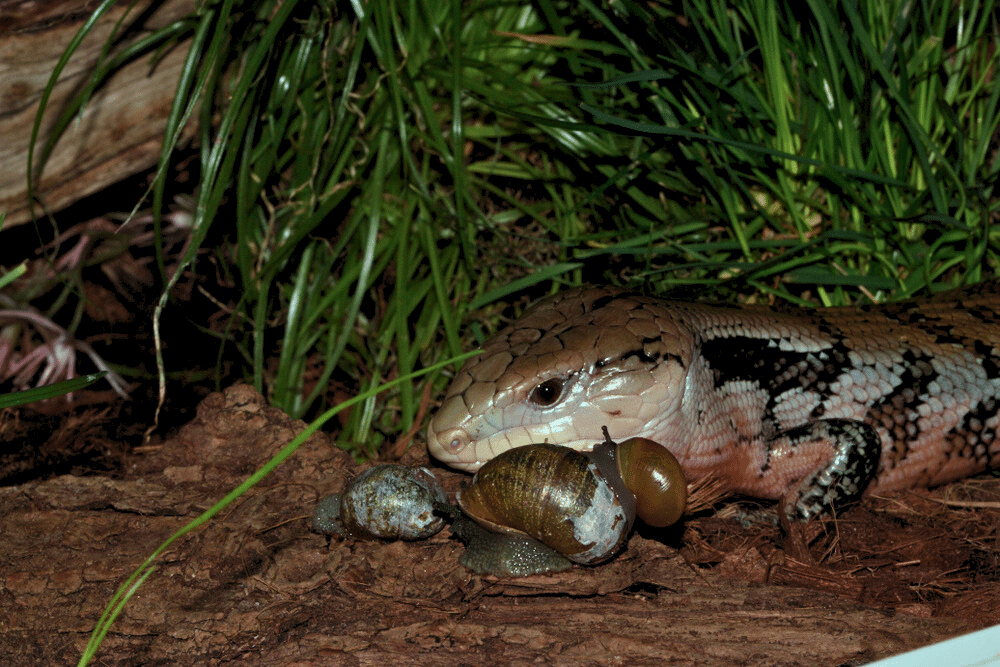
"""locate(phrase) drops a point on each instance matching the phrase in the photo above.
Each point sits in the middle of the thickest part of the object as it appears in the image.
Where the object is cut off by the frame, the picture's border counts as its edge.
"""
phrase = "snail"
(389, 502)
(580, 506)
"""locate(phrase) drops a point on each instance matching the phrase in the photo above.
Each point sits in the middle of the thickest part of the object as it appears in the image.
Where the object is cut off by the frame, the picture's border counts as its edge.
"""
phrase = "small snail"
(579, 504)
(389, 502)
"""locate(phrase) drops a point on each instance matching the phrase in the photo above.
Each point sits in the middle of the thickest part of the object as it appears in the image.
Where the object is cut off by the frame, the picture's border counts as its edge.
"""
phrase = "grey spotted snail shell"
(388, 502)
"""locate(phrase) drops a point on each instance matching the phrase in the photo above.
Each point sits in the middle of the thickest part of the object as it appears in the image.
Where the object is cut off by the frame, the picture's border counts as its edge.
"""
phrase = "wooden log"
(255, 586)
(120, 131)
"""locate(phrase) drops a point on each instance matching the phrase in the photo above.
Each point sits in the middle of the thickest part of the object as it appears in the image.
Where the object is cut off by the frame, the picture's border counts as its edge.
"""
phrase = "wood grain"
(117, 135)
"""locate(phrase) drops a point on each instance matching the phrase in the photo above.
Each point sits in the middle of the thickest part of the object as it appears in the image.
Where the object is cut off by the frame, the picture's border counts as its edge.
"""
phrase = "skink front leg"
(848, 453)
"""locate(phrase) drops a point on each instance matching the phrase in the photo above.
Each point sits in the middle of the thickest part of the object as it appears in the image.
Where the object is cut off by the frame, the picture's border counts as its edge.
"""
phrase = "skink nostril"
(457, 439)
(453, 440)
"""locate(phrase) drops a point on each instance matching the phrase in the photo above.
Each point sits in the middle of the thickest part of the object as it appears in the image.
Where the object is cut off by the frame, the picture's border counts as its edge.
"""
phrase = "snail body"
(581, 505)
(388, 502)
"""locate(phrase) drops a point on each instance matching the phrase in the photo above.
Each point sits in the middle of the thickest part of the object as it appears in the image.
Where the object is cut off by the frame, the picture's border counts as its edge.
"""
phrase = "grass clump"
(375, 175)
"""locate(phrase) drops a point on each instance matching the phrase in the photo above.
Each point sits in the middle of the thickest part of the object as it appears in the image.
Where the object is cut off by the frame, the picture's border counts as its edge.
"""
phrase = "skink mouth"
(458, 448)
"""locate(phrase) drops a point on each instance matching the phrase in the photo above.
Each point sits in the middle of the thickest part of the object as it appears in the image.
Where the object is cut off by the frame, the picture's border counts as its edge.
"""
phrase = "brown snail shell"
(576, 503)
(656, 480)
(553, 494)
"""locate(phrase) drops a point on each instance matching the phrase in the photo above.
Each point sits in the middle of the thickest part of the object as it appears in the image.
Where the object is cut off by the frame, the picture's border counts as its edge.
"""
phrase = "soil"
(255, 586)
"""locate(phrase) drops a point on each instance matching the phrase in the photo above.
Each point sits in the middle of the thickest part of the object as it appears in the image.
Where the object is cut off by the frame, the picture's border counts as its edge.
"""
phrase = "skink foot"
(845, 475)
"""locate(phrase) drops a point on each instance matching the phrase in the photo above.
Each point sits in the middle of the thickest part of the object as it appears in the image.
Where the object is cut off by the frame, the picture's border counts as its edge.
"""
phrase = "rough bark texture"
(120, 131)
(256, 586)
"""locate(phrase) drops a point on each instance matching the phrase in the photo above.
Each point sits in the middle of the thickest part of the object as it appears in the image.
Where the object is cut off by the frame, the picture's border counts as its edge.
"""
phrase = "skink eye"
(547, 393)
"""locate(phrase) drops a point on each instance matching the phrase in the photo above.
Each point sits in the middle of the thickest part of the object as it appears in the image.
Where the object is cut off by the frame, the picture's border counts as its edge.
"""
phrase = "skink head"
(576, 362)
